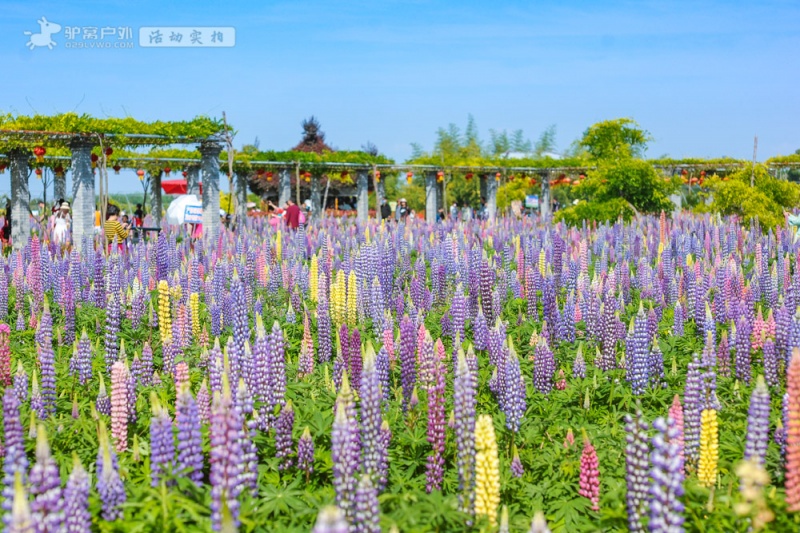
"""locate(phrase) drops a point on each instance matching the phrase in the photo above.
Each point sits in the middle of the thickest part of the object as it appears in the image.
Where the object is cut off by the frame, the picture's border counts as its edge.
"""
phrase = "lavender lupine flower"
(226, 456)
(458, 312)
(464, 385)
(112, 328)
(692, 409)
(76, 499)
(544, 367)
(324, 329)
(743, 331)
(81, 363)
(382, 369)
(109, 485)
(771, 363)
(677, 327)
(21, 382)
(755, 447)
(305, 453)
(636, 360)
(19, 519)
(162, 441)
(103, 402)
(48, 505)
(435, 465)
(514, 403)
(37, 403)
(371, 420)
(190, 450)
(345, 457)
(204, 403)
(579, 365)
(480, 331)
(366, 518)
(636, 469)
(355, 363)
(517, 470)
(724, 355)
(408, 365)
(15, 460)
(283, 436)
(331, 519)
(146, 373)
(666, 475)
(276, 368)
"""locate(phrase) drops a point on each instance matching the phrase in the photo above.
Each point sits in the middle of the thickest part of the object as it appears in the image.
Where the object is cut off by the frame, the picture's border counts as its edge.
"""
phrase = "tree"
(766, 200)
(546, 142)
(313, 138)
(615, 139)
(620, 188)
(370, 148)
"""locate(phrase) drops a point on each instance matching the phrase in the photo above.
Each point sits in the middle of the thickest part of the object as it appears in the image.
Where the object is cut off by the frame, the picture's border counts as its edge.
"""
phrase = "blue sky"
(702, 77)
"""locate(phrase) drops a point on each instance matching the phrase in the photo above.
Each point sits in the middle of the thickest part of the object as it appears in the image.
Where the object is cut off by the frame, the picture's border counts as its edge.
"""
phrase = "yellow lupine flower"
(278, 246)
(194, 305)
(487, 469)
(709, 448)
(541, 262)
(164, 317)
(352, 296)
(313, 278)
(338, 303)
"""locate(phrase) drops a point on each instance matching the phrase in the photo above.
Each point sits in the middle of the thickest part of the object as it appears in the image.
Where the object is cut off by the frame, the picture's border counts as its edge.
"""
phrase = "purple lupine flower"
(226, 456)
(692, 409)
(47, 363)
(240, 329)
(355, 362)
(283, 436)
(276, 368)
(666, 475)
(131, 385)
(371, 420)
(655, 364)
(68, 305)
(190, 450)
(382, 368)
(305, 453)
(81, 363)
(677, 327)
(146, 373)
(323, 328)
(758, 423)
(513, 392)
(743, 332)
(48, 505)
(636, 469)
(366, 516)
(76, 499)
(783, 424)
(408, 365)
(771, 363)
(458, 313)
(37, 403)
(636, 360)
(215, 367)
(109, 485)
(162, 442)
(21, 382)
(331, 520)
(435, 465)
(464, 384)
(544, 367)
(480, 331)
(103, 402)
(15, 460)
(579, 364)
(112, 327)
(517, 470)
(345, 457)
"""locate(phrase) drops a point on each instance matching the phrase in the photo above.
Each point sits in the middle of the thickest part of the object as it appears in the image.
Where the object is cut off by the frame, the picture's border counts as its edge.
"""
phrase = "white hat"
(222, 212)
(402, 200)
(65, 205)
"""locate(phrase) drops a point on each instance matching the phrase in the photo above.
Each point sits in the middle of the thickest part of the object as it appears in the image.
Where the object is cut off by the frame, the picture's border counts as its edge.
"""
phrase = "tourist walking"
(60, 224)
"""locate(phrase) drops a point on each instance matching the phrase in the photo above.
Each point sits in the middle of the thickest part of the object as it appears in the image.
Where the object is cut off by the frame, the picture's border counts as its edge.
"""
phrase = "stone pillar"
(240, 182)
(193, 180)
(362, 195)
(484, 179)
(59, 186)
(84, 202)
(155, 197)
(430, 196)
(491, 196)
(20, 198)
(316, 196)
(544, 201)
(284, 186)
(380, 194)
(209, 172)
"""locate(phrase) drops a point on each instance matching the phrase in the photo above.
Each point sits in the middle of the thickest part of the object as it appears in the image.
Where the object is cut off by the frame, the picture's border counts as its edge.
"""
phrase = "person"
(7, 224)
(125, 220)
(454, 211)
(138, 216)
(484, 212)
(292, 214)
(386, 211)
(114, 228)
(440, 215)
(402, 211)
(60, 224)
(97, 227)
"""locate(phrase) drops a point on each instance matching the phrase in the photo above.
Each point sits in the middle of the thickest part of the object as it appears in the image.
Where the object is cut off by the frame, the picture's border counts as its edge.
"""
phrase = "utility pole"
(753, 169)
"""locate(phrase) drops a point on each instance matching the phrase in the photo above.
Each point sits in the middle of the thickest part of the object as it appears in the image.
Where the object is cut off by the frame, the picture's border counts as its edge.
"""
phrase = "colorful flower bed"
(503, 376)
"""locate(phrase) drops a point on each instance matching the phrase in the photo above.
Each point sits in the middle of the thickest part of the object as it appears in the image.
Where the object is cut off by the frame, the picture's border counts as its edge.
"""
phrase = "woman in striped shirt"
(114, 229)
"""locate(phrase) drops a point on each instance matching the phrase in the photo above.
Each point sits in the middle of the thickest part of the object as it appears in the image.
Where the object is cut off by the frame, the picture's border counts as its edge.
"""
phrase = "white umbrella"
(186, 208)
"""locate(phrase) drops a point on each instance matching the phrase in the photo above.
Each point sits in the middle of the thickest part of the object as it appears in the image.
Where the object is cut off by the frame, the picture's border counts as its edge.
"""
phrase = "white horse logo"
(43, 37)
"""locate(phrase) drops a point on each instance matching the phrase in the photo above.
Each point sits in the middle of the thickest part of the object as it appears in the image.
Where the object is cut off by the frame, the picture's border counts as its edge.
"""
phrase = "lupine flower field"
(465, 376)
